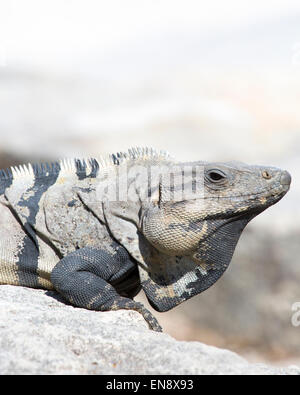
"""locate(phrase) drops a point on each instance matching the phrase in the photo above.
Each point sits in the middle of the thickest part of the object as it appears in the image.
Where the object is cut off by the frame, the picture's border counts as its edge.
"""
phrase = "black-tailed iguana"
(98, 231)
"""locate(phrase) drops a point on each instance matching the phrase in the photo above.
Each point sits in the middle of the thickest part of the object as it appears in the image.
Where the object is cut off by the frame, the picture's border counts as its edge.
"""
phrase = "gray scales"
(99, 230)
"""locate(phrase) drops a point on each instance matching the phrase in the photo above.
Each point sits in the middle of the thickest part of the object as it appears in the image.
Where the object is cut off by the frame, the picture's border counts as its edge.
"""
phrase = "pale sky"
(59, 33)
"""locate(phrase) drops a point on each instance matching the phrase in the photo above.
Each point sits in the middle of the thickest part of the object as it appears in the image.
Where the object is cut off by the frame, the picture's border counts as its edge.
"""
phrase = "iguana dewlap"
(97, 231)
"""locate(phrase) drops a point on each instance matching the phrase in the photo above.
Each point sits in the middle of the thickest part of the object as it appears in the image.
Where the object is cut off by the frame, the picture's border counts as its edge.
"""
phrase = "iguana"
(99, 230)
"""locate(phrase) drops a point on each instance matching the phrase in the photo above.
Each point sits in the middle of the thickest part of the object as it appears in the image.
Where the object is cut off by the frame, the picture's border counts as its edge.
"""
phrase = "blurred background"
(204, 80)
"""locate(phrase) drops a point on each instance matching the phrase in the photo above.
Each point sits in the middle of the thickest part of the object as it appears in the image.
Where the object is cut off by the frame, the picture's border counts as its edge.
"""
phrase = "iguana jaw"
(252, 204)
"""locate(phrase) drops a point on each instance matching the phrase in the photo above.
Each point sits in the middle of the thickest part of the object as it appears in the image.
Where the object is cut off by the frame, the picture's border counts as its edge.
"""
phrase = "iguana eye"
(215, 176)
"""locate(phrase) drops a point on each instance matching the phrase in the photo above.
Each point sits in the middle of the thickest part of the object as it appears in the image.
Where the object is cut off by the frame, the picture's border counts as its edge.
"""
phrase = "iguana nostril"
(285, 178)
(266, 174)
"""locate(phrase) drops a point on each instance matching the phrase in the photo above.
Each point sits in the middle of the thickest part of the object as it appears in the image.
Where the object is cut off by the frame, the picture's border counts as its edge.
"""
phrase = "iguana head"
(178, 223)
(194, 238)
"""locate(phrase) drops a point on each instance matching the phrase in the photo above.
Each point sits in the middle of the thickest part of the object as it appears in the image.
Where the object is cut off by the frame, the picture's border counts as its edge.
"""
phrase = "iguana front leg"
(83, 278)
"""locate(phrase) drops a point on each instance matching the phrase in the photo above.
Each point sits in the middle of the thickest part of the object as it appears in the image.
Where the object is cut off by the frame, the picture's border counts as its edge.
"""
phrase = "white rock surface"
(41, 335)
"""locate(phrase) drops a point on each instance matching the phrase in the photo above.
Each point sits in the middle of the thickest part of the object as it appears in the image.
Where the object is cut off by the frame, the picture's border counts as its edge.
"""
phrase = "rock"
(39, 334)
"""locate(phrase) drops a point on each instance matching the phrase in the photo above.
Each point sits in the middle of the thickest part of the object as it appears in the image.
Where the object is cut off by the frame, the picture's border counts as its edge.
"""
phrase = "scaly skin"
(98, 231)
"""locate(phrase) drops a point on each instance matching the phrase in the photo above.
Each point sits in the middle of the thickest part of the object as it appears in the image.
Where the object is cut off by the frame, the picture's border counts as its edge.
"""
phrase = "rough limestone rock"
(39, 334)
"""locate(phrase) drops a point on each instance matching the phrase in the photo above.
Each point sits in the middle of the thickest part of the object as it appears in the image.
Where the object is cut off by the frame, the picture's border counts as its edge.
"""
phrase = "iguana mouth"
(267, 192)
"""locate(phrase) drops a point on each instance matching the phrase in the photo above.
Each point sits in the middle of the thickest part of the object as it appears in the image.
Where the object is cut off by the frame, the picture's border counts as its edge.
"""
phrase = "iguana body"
(60, 227)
